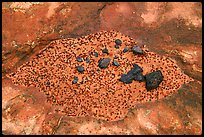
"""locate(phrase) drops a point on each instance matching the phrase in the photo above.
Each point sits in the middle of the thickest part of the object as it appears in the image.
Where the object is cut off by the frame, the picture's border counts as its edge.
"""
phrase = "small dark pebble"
(103, 63)
(118, 42)
(87, 60)
(137, 50)
(115, 63)
(75, 80)
(95, 54)
(80, 69)
(79, 59)
(117, 46)
(153, 79)
(125, 49)
(105, 50)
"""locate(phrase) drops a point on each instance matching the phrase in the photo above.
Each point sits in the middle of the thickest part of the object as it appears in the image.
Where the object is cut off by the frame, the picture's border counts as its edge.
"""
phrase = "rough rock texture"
(103, 63)
(98, 93)
(133, 74)
(153, 79)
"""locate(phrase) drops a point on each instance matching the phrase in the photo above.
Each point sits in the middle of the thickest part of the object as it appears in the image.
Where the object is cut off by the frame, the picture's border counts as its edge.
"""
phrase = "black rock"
(103, 63)
(95, 54)
(115, 63)
(79, 59)
(153, 79)
(117, 46)
(118, 42)
(127, 79)
(87, 60)
(137, 50)
(105, 50)
(139, 77)
(80, 69)
(125, 49)
(75, 80)
(136, 69)
(134, 74)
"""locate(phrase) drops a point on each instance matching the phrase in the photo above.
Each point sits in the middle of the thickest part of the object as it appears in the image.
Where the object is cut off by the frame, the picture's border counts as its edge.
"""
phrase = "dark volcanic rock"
(75, 80)
(103, 63)
(137, 50)
(80, 69)
(133, 74)
(125, 49)
(105, 50)
(79, 59)
(115, 63)
(153, 79)
(118, 42)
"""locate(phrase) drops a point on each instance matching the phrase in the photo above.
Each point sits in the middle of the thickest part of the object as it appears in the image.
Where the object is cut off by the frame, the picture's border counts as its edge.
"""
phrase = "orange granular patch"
(98, 92)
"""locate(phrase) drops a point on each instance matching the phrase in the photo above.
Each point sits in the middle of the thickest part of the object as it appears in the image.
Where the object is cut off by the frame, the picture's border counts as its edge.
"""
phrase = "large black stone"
(103, 63)
(153, 79)
(134, 74)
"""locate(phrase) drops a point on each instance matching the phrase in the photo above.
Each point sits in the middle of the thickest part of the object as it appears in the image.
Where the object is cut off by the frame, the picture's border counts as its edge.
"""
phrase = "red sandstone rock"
(98, 93)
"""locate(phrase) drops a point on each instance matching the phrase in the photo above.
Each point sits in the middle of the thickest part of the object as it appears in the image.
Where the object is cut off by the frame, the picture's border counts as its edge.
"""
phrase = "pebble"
(87, 60)
(115, 63)
(105, 50)
(153, 79)
(125, 49)
(137, 50)
(80, 69)
(103, 63)
(118, 42)
(95, 54)
(75, 80)
(79, 59)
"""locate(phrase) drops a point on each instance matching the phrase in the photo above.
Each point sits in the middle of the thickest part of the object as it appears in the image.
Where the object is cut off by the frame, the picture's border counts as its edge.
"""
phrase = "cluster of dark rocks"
(134, 74)
(152, 79)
